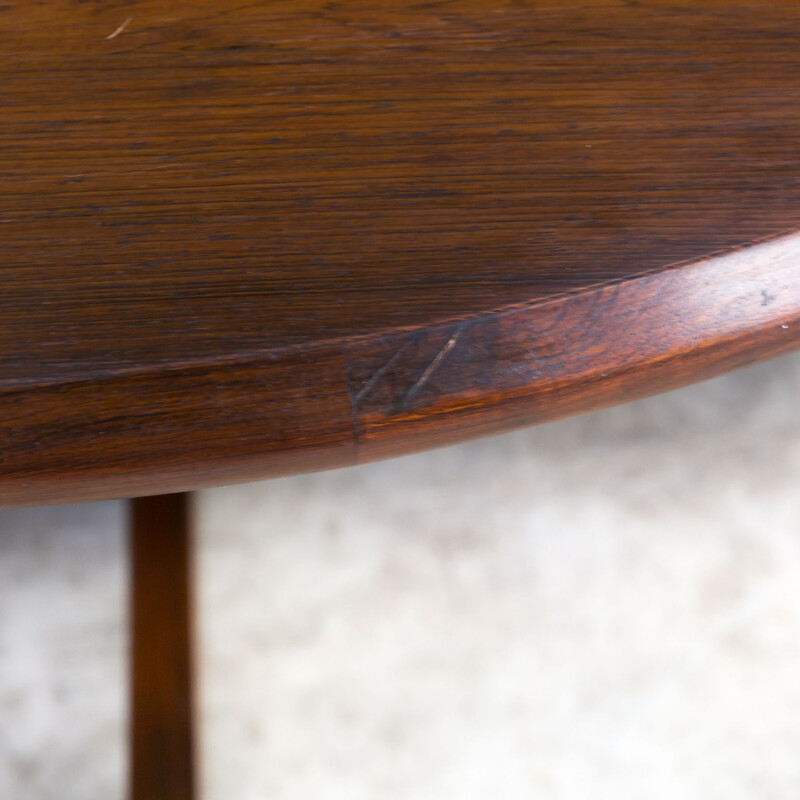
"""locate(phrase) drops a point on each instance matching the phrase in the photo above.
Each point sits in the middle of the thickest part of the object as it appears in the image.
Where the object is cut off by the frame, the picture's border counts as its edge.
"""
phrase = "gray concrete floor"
(62, 652)
(607, 606)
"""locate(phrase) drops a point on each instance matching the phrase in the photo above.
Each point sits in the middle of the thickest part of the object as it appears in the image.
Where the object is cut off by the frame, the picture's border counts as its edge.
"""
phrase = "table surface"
(250, 239)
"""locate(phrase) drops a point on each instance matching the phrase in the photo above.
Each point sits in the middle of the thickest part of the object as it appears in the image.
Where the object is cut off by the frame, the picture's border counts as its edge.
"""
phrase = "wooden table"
(242, 240)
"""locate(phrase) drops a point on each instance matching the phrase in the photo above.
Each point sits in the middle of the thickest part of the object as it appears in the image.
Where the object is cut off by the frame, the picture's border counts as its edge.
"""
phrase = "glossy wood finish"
(162, 731)
(584, 351)
(247, 239)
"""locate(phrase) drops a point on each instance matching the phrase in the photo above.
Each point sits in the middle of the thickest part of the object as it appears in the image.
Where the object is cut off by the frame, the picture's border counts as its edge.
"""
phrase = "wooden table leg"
(162, 735)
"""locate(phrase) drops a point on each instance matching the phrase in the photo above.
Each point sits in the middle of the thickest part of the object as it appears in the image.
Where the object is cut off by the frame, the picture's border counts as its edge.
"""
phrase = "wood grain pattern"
(162, 704)
(220, 221)
(585, 351)
(146, 432)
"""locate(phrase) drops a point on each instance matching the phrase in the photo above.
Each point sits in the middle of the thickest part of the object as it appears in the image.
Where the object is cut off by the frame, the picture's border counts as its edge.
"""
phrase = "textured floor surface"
(603, 607)
(62, 653)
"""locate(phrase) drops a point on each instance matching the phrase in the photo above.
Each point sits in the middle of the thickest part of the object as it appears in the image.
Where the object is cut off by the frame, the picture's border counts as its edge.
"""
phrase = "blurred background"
(603, 607)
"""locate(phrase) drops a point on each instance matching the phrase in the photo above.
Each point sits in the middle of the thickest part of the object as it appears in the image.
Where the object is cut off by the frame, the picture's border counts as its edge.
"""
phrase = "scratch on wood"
(370, 384)
(432, 367)
(121, 28)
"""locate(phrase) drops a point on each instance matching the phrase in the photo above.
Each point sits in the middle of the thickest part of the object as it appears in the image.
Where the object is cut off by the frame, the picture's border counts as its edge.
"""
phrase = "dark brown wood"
(162, 732)
(237, 238)
(580, 352)
(161, 430)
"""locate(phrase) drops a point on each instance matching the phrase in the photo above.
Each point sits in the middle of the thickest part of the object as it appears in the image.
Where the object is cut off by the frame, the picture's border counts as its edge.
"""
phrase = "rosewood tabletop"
(245, 239)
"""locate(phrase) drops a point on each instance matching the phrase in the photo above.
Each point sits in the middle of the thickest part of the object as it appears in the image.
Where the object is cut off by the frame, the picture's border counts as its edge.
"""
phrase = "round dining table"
(246, 239)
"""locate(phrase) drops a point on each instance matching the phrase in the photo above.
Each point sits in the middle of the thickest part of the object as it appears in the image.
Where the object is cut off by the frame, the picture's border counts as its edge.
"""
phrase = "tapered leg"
(162, 733)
